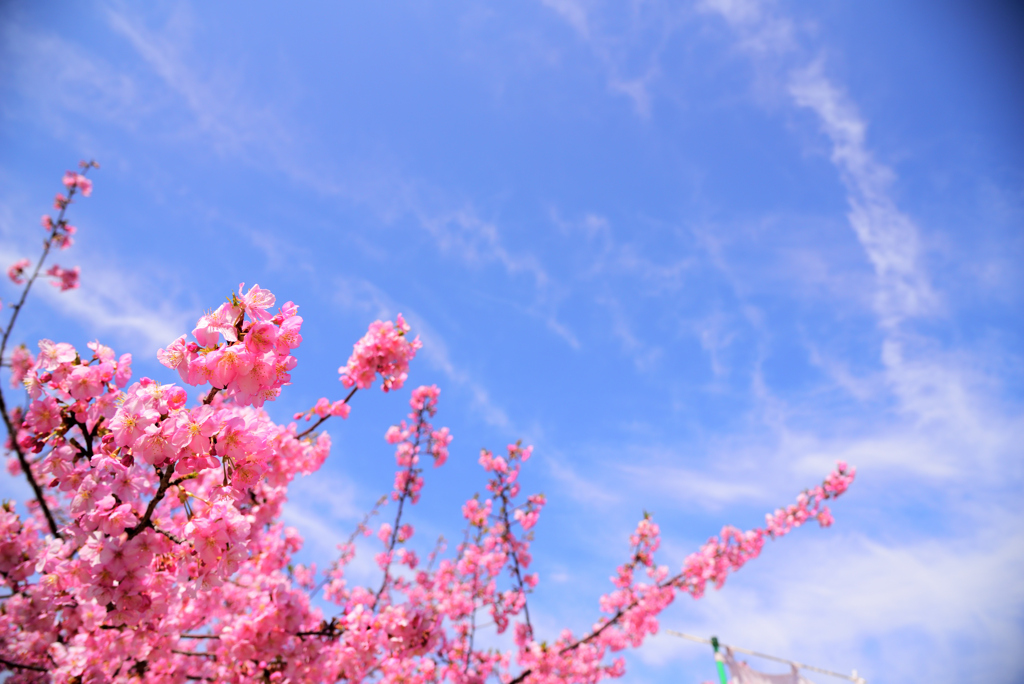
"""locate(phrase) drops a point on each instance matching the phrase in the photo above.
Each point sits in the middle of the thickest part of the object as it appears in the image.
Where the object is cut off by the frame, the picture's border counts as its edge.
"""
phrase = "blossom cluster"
(253, 360)
(64, 278)
(733, 548)
(810, 504)
(154, 548)
(385, 350)
(161, 508)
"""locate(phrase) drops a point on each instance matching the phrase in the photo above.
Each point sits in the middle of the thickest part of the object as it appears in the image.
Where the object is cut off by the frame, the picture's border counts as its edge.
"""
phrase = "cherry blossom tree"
(153, 549)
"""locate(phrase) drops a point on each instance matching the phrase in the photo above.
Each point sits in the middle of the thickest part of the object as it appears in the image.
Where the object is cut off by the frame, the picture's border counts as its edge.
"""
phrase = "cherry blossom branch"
(165, 484)
(47, 245)
(406, 493)
(717, 557)
(229, 570)
(11, 429)
(88, 435)
(514, 551)
(474, 590)
(622, 612)
(323, 419)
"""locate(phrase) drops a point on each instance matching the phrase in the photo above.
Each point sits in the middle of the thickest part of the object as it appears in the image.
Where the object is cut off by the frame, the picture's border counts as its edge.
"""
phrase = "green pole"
(719, 661)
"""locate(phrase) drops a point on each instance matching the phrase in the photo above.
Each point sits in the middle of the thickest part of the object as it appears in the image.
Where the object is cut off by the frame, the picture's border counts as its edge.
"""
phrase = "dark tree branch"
(20, 666)
(147, 519)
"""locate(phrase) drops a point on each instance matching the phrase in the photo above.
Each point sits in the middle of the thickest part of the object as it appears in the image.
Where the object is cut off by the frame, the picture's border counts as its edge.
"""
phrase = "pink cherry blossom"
(85, 382)
(52, 355)
(261, 337)
(156, 550)
(66, 278)
(124, 370)
(43, 416)
(174, 355)
(384, 350)
(132, 419)
(256, 302)
(17, 271)
(21, 361)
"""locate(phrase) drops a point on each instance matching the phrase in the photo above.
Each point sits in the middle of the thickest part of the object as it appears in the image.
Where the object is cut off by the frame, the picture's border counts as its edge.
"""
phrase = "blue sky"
(694, 252)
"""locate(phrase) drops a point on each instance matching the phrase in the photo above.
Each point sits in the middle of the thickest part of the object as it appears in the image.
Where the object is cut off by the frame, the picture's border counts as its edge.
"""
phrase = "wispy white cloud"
(932, 387)
(580, 488)
(927, 416)
(233, 123)
(631, 65)
(440, 358)
(477, 242)
(954, 603)
(759, 27)
(105, 303)
(942, 392)
(358, 294)
(226, 118)
(840, 374)
(573, 11)
(690, 487)
(611, 255)
(337, 497)
(281, 254)
(716, 334)
(322, 536)
(645, 357)
(65, 81)
(602, 257)
(889, 236)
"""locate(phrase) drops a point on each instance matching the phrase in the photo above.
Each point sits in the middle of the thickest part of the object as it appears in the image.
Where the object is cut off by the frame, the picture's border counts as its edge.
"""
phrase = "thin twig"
(193, 653)
(323, 419)
(167, 534)
(351, 539)
(406, 492)
(26, 468)
(47, 244)
(515, 555)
